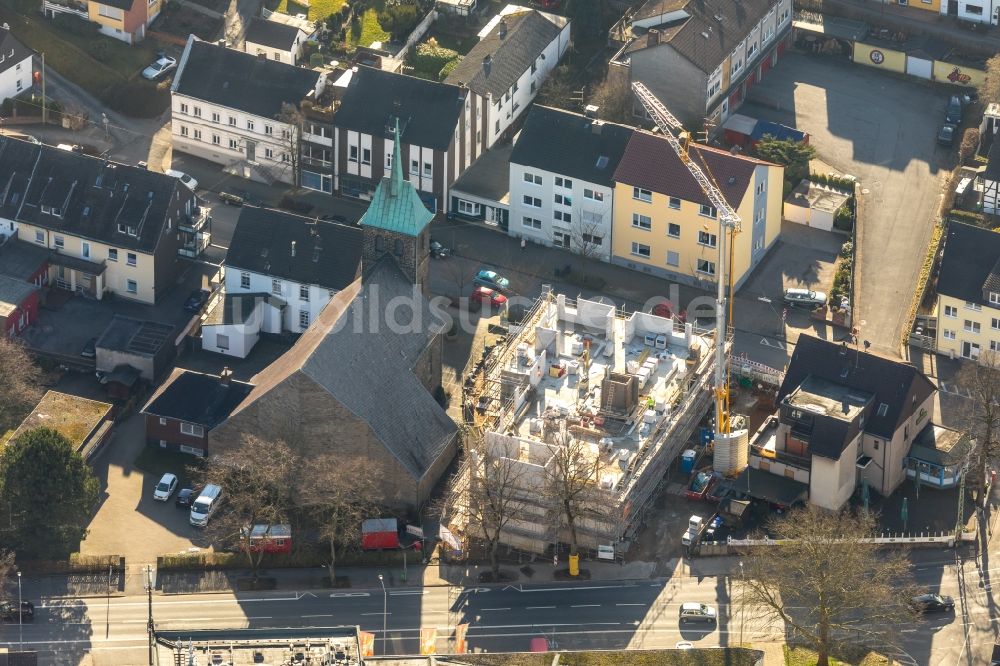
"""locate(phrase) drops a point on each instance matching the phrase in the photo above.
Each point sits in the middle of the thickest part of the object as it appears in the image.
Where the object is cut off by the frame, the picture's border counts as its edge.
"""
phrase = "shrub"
(967, 217)
(399, 20)
(449, 68)
(316, 60)
(847, 249)
(76, 25)
(139, 99)
(970, 141)
(431, 57)
(288, 202)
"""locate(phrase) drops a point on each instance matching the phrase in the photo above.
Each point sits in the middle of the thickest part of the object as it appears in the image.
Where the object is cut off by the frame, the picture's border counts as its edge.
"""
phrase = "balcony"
(318, 139)
(50, 8)
(195, 246)
(316, 162)
(196, 221)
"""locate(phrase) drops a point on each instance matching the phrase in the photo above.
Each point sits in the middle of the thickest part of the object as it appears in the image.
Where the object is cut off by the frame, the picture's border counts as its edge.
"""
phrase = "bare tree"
(256, 478)
(982, 414)
(291, 136)
(825, 583)
(337, 495)
(19, 380)
(990, 90)
(573, 484)
(614, 97)
(496, 493)
(7, 569)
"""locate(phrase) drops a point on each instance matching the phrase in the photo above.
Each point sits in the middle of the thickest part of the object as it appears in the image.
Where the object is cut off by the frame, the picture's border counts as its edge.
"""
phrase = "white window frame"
(640, 221)
(707, 264)
(244, 280)
(639, 194)
(192, 429)
(641, 250)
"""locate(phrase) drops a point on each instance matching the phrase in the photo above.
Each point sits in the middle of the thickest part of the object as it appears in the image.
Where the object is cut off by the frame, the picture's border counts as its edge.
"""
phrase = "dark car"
(932, 603)
(953, 114)
(8, 611)
(89, 349)
(946, 135)
(439, 251)
(185, 497)
(196, 300)
(339, 219)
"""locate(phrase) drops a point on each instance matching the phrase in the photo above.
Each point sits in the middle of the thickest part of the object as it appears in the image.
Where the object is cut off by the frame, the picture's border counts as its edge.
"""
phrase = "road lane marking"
(630, 604)
(537, 607)
(350, 594)
(577, 589)
(317, 616)
(376, 613)
(495, 609)
(585, 606)
(402, 593)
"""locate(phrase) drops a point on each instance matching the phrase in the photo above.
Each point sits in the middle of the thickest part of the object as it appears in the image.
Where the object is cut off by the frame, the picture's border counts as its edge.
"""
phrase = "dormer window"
(995, 298)
(46, 210)
(133, 231)
(57, 212)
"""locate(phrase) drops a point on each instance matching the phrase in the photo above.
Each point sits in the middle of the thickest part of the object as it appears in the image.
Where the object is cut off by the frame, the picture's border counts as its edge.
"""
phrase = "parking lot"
(880, 129)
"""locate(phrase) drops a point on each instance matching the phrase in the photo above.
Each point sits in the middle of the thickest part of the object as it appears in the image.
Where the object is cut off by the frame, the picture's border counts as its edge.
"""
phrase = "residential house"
(666, 226)
(273, 40)
(186, 407)
(438, 140)
(111, 228)
(239, 110)
(135, 349)
(846, 419)
(974, 11)
(23, 271)
(968, 292)
(280, 272)
(516, 52)
(562, 181)
(15, 65)
(358, 383)
(701, 58)
(126, 20)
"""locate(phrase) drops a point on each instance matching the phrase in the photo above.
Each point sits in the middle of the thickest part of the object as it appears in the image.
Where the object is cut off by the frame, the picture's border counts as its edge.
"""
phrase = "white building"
(977, 11)
(275, 41)
(15, 65)
(562, 181)
(226, 106)
(281, 270)
(516, 52)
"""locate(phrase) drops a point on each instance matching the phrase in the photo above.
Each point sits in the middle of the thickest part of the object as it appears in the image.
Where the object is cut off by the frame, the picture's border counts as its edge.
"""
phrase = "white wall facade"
(208, 131)
(235, 340)
(16, 79)
(978, 11)
(588, 230)
(289, 56)
(831, 482)
(304, 301)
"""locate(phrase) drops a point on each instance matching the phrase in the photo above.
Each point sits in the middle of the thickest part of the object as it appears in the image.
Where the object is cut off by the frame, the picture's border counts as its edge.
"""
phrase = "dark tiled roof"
(271, 33)
(992, 171)
(13, 51)
(197, 398)
(325, 253)
(892, 382)
(650, 163)
(711, 32)
(241, 81)
(428, 111)
(525, 36)
(20, 259)
(95, 197)
(971, 262)
(567, 143)
(125, 5)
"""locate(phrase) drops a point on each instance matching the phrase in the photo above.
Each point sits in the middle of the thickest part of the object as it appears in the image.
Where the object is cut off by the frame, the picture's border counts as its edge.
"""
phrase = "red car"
(666, 310)
(487, 296)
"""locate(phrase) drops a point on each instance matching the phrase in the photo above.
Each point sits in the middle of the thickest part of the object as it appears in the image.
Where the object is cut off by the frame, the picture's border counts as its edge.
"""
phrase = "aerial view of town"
(499, 332)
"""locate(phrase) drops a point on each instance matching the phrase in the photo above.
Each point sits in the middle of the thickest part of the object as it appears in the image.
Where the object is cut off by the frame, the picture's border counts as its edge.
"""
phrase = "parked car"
(196, 300)
(666, 310)
(165, 488)
(439, 251)
(339, 219)
(932, 603)
(492, 280)
(206, 505)
(486, 296)
(696, 612)
(995, 658)
(946, 135)
(162, 65)
(183, 177)
(795, 297)
(89, 349)
(9, 611)
(186, 497)
(953, 113)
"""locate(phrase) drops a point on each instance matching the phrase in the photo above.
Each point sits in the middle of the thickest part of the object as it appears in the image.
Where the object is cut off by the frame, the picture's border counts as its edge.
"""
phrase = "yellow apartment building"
(968, 302)
(664, 224)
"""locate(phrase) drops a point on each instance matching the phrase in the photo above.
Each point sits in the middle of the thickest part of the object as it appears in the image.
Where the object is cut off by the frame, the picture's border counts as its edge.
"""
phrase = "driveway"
(881, 129)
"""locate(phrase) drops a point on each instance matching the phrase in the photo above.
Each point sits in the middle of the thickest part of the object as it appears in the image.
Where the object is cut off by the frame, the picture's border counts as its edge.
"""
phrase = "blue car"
(491, 280)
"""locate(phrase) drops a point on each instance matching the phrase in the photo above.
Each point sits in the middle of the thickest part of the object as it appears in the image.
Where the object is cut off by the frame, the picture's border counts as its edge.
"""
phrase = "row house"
(280, 272)
(15, 65)
(108, 227)
(562, 181)
(975, 11)
(701, 58)
(664, 224)
(516, 52)
(240, 110)
(968, 293)
(277, 41)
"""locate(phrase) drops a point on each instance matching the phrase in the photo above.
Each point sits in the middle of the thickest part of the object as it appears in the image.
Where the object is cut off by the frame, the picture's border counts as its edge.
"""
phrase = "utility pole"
(20, 616)
(45, 108)
(149, 624)
(385, 608)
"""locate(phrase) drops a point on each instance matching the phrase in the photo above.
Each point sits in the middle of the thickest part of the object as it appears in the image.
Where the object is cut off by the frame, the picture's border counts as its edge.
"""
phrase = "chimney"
(293, 248)
(595, 127)
(502, 28)
(226, 376)
(735, 150)
(487, 63)
(590, 111)
(652, 37)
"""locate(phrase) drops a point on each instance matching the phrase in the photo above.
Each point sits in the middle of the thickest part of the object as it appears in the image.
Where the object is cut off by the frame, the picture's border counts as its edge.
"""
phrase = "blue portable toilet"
(687, 461)
(706, 436)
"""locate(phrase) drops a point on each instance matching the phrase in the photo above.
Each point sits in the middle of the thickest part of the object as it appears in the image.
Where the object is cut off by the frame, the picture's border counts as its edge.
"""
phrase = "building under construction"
(628, 390)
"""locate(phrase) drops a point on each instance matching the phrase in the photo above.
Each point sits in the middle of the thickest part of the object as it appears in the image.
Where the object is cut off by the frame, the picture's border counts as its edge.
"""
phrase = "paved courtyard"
(881, 129)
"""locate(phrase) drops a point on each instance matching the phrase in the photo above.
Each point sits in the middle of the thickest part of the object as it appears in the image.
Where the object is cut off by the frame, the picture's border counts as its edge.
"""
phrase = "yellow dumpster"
(574, 565)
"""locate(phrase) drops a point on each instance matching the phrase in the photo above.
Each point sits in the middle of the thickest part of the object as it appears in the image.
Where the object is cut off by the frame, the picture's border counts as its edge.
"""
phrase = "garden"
(353, 23)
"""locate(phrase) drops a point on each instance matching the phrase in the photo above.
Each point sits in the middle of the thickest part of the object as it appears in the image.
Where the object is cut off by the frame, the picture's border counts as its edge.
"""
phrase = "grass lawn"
(450, 40)
(800, 656)
(318, 9)
(370, 31)
(157, 462)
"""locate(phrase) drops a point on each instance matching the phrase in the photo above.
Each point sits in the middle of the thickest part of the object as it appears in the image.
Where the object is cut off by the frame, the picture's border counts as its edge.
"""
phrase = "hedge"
(217, 561)
(76, 564)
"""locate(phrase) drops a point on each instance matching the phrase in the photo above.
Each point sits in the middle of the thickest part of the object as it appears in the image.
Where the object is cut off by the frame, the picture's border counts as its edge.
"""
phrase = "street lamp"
(385, 605)
(20, 616)
(742, 586)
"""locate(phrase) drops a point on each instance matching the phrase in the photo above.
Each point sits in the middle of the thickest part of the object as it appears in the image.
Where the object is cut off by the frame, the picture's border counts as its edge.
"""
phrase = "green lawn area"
(800, 656)
(318, 9)
(371, 30)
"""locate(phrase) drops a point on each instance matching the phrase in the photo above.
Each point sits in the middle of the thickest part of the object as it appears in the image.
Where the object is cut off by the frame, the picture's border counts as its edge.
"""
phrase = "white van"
(205, 505)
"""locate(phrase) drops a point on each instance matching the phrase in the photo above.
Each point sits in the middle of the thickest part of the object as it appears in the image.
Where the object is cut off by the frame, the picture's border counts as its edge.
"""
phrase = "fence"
(902, 539)
(418, 33)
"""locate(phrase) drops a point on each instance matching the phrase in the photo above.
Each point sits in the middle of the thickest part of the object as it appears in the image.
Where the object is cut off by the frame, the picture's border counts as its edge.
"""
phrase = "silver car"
(159, 68)
(795, 297)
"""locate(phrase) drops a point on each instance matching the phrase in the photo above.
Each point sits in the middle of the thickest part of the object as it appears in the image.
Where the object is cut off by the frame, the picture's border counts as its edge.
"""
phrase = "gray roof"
(124, 206)
(135, 336)
(428, 111)
(571, 144)
(13, 51)
(297, 248)
(241, 81)
(489, 176)
(271, 33)
(971, 262)
(20, 259)
(233, 309)
(938, 445)
(12, 293)
(194, 397)
(511, 47)
(370, 370)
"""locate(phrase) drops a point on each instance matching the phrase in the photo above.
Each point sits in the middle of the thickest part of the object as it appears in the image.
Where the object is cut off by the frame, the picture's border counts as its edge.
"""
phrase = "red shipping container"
(378, 533)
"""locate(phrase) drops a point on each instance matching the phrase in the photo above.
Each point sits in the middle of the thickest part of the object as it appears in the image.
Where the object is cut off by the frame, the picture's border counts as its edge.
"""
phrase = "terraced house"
(665, 225)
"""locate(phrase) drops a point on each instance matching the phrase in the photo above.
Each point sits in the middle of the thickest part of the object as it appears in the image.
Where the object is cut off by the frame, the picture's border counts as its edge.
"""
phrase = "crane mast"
(729, 226)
